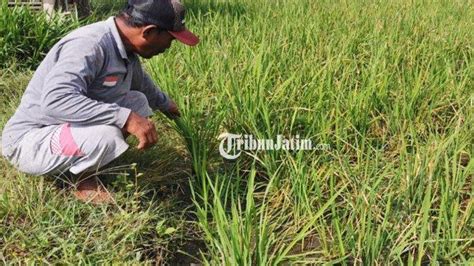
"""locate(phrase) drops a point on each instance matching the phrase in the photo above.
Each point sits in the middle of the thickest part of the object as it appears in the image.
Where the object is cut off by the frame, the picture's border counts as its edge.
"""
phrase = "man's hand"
(173, 111)
(143, 128)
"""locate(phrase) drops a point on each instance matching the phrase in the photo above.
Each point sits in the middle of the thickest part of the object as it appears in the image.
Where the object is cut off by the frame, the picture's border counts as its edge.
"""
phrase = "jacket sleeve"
(142, 82)
(77, 64)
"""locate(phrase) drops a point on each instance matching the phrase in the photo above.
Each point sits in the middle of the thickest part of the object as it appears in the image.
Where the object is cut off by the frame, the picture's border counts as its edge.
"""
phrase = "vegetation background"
(387, 84)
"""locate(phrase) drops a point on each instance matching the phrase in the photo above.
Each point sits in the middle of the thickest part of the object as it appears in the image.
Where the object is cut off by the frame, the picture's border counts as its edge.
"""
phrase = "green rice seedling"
(250, 233)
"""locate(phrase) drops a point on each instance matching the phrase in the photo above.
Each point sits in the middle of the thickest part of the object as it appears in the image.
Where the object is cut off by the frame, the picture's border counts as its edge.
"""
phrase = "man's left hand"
(173, 111)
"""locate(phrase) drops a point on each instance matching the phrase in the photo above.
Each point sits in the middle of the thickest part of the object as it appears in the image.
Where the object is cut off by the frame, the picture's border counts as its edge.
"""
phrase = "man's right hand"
(143, 128)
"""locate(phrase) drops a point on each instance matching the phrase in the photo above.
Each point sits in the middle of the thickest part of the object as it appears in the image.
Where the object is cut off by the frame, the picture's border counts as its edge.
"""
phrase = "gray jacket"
(79, 82)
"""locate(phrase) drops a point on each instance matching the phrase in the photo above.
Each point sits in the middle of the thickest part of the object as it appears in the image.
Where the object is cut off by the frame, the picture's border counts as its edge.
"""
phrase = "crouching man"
(90, 91)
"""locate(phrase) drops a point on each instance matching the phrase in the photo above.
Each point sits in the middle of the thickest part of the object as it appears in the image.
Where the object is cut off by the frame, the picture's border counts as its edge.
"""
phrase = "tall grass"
(107, 7)
(26, 36)
(388, 85)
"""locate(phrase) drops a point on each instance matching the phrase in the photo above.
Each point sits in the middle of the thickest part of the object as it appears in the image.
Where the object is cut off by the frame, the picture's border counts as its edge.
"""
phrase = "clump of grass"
(26, 35)
(41, 223)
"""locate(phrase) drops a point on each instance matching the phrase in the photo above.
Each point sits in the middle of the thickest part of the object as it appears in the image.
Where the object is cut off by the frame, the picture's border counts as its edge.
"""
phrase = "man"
(90, 92)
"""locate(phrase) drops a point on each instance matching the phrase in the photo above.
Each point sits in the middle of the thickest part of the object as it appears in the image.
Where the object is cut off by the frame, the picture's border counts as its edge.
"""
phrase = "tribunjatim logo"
(232, 145)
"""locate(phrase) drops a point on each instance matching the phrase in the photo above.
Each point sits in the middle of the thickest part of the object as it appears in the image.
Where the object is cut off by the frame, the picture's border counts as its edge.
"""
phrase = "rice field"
(386, 87)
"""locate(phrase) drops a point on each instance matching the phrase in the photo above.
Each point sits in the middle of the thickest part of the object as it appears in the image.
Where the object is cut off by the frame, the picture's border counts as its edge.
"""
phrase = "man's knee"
(137, 97)
(99, 136)
(137, 102)
(100, 145)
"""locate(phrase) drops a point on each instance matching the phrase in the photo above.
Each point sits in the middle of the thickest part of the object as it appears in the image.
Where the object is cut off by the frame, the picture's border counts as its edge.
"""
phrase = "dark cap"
(166, 14)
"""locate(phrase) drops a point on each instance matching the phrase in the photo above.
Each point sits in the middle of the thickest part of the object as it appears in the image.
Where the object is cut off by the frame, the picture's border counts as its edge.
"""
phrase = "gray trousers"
(57, 148)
